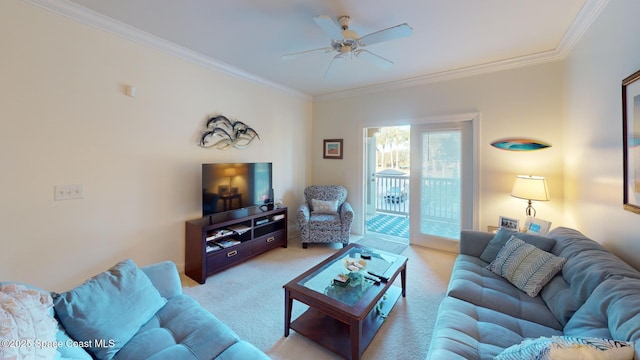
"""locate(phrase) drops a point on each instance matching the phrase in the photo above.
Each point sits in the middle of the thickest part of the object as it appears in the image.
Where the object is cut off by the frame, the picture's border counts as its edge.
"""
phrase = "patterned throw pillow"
(324, 207)
(568, 347)
(526, 266)
(503, 235)
(25, 316)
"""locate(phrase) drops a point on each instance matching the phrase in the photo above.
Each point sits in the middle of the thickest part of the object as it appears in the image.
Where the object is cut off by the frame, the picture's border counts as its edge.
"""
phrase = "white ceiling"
(450, 37)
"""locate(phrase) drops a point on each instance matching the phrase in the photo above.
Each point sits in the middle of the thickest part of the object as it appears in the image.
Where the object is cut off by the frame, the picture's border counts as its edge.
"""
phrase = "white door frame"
(475, 124)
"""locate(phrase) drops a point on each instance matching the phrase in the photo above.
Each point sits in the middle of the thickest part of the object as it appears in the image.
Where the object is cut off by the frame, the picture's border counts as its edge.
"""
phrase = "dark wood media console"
(214, 243)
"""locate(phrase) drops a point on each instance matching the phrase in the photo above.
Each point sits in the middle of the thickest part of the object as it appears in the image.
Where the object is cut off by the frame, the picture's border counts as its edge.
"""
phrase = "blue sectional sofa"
(127, 312)
(595, 295)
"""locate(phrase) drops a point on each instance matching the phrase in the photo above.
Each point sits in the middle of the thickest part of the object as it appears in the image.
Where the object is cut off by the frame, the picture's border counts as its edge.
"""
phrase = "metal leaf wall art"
(222, 134)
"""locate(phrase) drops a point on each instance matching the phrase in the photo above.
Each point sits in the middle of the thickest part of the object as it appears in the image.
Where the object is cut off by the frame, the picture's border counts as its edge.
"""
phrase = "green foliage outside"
(442, 149)
(392, 145)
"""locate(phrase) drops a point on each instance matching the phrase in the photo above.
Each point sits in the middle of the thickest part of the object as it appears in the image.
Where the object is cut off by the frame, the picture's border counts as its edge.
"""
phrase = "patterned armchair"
(325, 216)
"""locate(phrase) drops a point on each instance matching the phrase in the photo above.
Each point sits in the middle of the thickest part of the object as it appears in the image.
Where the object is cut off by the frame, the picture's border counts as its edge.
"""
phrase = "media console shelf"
(214, 243)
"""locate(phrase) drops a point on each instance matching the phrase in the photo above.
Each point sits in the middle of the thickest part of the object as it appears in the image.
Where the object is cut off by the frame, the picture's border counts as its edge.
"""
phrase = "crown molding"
(540, 58)
(586, 16)
(86, 16)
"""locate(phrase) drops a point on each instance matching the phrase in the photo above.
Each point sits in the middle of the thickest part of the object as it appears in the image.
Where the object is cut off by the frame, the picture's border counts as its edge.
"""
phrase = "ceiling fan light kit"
(347, 42)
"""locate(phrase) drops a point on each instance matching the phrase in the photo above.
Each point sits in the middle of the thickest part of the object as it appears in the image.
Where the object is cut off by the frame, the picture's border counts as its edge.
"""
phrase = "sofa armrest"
(303, 214)
(346, 213)
(474, 242)
(165, 277)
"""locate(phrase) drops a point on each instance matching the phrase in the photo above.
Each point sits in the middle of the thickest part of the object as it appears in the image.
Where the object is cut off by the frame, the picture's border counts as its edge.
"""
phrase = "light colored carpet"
(250, 299)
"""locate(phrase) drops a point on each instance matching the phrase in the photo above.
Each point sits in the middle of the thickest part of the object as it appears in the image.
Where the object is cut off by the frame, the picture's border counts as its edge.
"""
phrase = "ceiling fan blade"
(374, 59)
(392, 33)
(329, 26)
(297, 54)
(330, 68)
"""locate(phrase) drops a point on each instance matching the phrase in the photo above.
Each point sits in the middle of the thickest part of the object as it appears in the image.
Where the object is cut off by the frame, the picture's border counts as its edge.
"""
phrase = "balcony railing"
(441, 199)
(392, 194)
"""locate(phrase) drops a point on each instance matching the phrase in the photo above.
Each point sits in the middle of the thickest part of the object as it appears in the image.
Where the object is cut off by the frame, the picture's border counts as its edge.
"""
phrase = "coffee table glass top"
(345, 278)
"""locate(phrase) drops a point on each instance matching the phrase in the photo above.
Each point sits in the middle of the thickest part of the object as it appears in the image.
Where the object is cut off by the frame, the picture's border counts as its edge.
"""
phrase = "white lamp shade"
(530, 188)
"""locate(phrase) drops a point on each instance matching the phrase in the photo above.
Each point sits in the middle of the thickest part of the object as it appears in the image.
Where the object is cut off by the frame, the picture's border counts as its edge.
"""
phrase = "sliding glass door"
(441, 183)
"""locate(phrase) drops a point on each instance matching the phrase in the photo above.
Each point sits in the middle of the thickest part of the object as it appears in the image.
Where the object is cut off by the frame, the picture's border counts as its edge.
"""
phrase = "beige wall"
(519, 102)
(575, 105)
(66, 120)
(605, 55)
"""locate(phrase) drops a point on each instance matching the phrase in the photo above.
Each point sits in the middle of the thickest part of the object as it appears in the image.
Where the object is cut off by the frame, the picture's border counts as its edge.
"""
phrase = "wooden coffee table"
(344, 318)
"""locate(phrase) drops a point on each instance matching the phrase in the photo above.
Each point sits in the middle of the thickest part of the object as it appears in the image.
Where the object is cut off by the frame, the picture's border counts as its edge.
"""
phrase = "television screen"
(230, 186)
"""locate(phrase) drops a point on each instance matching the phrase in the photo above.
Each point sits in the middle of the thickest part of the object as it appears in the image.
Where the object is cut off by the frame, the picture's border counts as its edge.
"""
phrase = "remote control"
(382, 278)
(373, 278)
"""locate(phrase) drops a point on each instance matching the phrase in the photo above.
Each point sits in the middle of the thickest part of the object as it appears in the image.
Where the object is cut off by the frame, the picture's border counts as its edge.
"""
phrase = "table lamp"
(530, 188)
(230, 172)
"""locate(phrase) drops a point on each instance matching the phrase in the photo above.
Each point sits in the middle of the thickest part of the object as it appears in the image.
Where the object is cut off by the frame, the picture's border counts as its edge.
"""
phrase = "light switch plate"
(68, 192)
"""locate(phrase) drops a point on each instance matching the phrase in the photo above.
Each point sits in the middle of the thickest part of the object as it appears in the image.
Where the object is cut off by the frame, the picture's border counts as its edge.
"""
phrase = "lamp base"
(530, 211)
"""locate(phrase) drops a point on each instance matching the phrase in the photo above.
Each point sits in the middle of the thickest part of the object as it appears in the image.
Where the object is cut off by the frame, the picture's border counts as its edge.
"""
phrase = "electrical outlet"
(68, 192)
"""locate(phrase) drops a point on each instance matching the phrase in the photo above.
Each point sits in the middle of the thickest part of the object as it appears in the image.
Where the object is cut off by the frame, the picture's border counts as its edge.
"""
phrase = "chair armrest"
(474, 242)
(346, 213)
(303, 214)
(165, 277)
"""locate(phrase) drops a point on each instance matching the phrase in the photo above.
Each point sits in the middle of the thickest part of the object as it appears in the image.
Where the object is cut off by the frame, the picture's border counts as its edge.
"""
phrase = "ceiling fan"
(347, 43)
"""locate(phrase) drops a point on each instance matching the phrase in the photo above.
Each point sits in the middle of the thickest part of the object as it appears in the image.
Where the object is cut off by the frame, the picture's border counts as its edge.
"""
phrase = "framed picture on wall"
(536, 226)
(631, 142)
(332, 149)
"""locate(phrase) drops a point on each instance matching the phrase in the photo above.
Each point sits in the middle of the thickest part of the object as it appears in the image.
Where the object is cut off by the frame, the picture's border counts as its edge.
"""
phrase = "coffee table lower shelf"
(335, 335)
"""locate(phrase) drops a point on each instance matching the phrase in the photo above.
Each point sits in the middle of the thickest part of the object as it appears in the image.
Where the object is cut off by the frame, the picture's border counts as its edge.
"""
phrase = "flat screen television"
(231, 186)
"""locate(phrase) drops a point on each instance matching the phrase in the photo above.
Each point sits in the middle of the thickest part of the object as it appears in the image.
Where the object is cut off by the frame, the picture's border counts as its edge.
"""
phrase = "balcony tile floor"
(389, 225)
(399, 226)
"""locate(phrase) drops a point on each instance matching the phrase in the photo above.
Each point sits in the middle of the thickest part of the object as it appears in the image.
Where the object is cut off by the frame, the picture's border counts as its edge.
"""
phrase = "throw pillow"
(108, 310)
(503, 235)
(27, 327)
(324, 206)
(525, 266)
(569, 348)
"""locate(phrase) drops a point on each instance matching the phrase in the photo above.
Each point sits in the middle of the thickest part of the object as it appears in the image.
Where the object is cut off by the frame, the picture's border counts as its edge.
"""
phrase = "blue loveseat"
(129, 312)
(484, 316)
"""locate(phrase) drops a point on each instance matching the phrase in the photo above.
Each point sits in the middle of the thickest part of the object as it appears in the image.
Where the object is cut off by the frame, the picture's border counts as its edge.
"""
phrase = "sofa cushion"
(466, 331)
(588, 264)
(182, 329)
(108, 309)
(325, 222)
(559, 299)
(525, 266)
(473, 282)
(25, 315)
(568, 347)
(612, 311)
(503, 235)
(69, 350)
(165, 277)
(474, 242)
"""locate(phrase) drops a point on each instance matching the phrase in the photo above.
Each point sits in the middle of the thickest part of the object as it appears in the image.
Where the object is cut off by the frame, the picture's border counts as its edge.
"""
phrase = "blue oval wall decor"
(518, 144)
